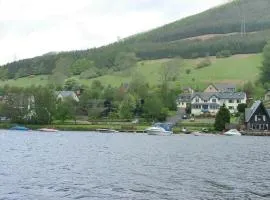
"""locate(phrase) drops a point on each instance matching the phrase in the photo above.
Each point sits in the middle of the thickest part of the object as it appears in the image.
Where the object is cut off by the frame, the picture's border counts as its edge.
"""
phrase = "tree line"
(40, 105)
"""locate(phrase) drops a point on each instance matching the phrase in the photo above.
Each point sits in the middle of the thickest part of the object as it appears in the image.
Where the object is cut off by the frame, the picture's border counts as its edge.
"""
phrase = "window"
(231, 108)
(213, 107)
(230, 101)
(260, 118)
(214, 100)
(196, 106)
(205, 101)
(238, 101)
(197, 100)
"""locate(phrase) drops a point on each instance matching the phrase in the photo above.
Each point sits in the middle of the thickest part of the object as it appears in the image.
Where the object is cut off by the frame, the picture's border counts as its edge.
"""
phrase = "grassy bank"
(221, 70)
(82, 127)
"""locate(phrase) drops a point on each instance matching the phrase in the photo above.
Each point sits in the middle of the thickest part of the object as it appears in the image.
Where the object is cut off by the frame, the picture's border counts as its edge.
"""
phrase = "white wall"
(181, 104)
(233, 105)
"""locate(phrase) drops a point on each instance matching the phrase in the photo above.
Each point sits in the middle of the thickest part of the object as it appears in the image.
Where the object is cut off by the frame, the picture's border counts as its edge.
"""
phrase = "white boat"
(185, 131)
(233, 132)
(48, 130)
(160, 129)
(104, 130)
(197, 134)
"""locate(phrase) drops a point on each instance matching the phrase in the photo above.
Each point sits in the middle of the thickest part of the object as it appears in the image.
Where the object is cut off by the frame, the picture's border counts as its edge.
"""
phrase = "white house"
(61, 95)
(183, 100)
(210, 102)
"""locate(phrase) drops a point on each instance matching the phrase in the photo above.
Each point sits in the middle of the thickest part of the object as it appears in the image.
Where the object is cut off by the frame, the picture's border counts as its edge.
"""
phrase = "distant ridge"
(240, 27)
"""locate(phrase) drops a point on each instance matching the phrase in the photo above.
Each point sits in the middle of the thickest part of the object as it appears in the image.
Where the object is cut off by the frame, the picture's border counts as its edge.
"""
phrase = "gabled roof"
(249, 112)
(66, 93)
(220, 95)
(184, 97)
(224, 86)
(205, 95)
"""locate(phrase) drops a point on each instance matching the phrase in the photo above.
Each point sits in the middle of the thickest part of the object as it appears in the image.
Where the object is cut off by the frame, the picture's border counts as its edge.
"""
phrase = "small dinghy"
(19, 128)
(47, 130)
(232, 132)
(104, 130)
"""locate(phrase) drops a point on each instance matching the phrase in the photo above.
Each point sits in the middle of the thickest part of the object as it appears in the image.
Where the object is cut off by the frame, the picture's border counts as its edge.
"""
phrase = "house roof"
(220, 95)
(184, 97)
(66, 93)
(209, 104)
(224, 86)
(249, 112)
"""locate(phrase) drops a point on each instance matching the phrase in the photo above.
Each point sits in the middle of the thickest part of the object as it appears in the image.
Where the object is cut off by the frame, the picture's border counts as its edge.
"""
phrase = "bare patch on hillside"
(213, 59)
(210, 36)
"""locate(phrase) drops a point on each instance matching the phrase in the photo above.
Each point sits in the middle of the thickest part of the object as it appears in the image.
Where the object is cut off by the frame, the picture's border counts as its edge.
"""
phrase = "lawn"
(27, 81)
(236, 69)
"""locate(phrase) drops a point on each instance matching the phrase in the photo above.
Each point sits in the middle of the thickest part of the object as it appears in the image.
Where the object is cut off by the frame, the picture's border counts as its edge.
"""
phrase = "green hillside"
(204, 34)
(219, 20)
(236, 69)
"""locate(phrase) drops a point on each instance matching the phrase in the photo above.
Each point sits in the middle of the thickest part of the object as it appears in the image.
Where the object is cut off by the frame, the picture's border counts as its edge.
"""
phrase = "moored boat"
(19, 128)
(163, 129)
(48, 130)
(185, 131)
(232, 132)
(104, 130)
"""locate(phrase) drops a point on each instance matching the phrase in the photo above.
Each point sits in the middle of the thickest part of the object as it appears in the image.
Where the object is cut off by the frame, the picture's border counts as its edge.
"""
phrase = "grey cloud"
(93, 24)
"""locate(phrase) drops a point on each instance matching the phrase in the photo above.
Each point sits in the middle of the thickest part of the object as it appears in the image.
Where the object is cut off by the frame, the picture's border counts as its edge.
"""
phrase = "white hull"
(158, 131)
(232, 132)
(48, 130)
(229, 134)
(107, 131)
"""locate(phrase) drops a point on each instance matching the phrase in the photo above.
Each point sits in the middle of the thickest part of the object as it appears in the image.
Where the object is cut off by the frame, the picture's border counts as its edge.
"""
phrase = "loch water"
(95, 166)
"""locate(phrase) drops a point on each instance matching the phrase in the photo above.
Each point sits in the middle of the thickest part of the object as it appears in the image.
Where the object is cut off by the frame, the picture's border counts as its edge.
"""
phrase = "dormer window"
(197, 100)
(214, 100)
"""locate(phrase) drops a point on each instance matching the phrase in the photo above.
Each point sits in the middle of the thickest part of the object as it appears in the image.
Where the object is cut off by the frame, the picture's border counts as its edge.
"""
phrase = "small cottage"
(257, 118)
(62, 95)
(221, 87)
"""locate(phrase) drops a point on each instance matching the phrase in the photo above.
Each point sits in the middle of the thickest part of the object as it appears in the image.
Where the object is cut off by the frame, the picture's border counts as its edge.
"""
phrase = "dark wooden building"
(257, 118)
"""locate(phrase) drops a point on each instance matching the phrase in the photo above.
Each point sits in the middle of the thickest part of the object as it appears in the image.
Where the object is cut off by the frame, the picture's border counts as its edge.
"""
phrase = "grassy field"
(236, 69)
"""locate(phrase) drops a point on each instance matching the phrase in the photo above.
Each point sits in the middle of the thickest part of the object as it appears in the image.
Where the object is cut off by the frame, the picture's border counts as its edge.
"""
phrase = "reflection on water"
(79, 165)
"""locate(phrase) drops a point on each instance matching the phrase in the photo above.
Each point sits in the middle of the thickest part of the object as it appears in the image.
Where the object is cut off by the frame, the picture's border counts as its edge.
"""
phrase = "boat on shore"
(162, 129)
(104, 130)
(19, 128)
(232, 132)
(203, 134)
(48, 130)
(185, 131)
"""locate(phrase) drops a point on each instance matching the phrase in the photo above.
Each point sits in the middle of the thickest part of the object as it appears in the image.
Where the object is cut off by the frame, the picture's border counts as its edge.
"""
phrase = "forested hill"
(220, 20)
(207, 33)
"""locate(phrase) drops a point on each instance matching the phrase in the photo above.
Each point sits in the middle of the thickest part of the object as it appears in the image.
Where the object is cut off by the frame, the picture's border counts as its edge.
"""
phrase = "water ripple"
(127, 166)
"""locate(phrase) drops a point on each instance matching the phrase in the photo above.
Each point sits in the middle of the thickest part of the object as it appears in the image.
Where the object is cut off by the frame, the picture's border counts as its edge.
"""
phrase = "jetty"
(256, 133)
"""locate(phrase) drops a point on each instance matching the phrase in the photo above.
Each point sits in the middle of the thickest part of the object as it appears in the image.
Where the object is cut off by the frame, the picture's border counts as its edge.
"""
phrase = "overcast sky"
(30, 28)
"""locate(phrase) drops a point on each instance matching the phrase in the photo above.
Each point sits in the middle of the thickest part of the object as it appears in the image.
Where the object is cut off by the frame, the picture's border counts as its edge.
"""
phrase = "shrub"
(241, 107)
(223, 54)
(204, 63)
(188, 71)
